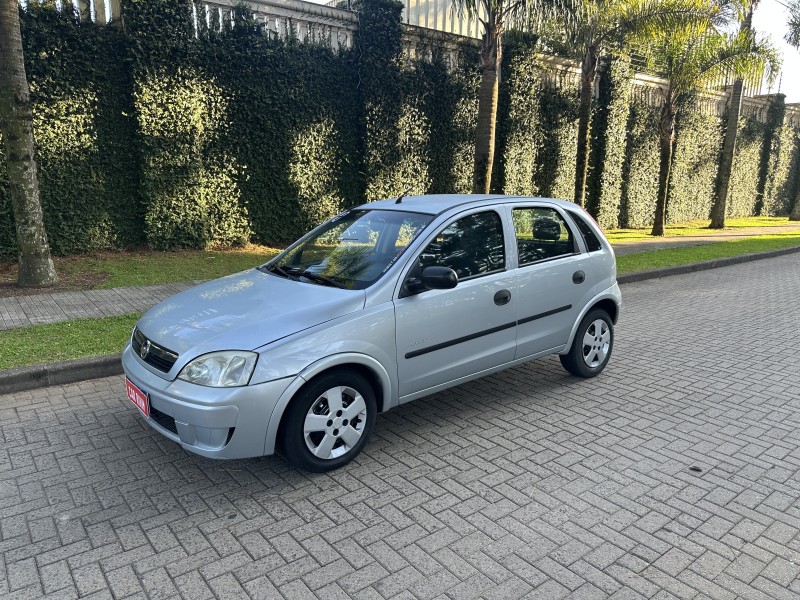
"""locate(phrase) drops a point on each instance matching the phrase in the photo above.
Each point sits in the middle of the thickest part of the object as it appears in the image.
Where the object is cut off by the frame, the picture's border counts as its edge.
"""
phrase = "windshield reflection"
(352, 250)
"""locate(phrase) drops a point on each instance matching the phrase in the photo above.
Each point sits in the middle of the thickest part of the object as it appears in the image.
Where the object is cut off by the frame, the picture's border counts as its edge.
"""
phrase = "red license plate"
(138, 397)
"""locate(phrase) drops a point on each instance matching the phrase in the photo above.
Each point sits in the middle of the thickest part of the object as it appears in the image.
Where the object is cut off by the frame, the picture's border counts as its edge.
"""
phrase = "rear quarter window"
(592, 242)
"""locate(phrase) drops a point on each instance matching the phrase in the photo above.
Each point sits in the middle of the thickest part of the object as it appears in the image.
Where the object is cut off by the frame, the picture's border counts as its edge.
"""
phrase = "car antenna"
(403, 195)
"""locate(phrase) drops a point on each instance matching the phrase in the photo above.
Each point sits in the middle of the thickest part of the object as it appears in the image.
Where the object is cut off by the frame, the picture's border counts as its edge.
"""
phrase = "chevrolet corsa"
(383, 304)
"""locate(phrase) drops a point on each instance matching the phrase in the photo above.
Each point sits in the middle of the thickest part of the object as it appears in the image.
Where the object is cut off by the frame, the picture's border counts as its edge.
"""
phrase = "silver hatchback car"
(381, 305)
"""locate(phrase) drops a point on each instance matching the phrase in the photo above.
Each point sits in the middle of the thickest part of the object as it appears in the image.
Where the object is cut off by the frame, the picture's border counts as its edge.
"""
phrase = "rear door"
(552, 280)
(443, 335)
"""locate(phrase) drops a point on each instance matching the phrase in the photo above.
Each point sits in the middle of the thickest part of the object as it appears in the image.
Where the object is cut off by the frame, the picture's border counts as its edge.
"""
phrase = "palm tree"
(16, 126)
(793, 25)
(793, 38)
(694, 57)
(719, 208)
(591, 27)
(495, 16)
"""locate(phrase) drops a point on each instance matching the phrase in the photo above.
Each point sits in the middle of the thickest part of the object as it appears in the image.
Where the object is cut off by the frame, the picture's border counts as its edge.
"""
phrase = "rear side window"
(541, 235)
(592, 243)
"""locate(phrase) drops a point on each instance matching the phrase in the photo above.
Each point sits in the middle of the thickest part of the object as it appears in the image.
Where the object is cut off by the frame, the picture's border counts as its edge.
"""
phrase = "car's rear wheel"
(328, 423)
(591, 348)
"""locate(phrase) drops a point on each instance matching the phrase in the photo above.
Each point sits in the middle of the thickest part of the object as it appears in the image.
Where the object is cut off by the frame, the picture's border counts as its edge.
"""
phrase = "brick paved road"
(526, 484)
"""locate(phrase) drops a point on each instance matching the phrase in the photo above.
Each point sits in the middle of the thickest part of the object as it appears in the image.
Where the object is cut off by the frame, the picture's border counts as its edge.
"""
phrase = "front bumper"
(212, 422)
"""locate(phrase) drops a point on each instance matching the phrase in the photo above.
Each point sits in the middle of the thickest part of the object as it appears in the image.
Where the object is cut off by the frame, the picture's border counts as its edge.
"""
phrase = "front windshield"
(352, 250)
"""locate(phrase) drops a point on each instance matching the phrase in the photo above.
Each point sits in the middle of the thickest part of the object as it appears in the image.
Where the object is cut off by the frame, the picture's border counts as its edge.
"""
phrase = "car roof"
(438, 203)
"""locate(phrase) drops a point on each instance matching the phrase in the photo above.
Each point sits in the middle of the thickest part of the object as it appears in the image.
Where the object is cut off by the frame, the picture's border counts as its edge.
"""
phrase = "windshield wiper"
(294, 273)
(321, 279)
(278, 271)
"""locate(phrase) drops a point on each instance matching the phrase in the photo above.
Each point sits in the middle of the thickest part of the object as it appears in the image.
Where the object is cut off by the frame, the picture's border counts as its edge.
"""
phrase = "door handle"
(502, 297)
(578, 277)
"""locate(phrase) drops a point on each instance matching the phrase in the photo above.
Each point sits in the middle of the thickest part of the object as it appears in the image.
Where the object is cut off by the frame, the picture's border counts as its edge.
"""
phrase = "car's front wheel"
(329, 422)
(592, 345)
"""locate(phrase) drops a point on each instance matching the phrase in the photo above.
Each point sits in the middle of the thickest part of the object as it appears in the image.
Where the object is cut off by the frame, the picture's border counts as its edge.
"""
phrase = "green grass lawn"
(656, 259)
(148, 268)
(57, 342)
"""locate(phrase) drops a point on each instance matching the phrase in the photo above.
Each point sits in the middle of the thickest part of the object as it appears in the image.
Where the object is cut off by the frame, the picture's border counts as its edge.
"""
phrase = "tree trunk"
(666, 141)
(729, 145)
(795, 214)
(16, 125)
(491, 57)
(588, 72)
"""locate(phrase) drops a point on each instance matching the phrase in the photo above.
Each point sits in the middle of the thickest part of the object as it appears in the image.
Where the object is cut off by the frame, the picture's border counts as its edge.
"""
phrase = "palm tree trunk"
(491, 57)
(16, 125)
(726, 160)
(666, 141)
(729, 145)
(588, 72)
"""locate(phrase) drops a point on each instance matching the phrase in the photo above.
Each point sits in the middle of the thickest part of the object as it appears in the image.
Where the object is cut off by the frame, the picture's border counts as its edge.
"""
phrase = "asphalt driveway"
(673, 474)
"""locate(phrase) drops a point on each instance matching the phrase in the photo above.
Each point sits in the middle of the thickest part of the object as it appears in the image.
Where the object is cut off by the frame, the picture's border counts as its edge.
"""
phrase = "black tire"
(345, 436)
(589, 360)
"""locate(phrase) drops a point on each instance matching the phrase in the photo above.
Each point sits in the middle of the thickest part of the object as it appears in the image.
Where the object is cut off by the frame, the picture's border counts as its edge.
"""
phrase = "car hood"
(243, 312)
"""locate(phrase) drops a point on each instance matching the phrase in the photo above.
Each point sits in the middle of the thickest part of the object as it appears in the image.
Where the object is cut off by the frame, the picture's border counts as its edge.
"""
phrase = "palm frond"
(793, 24)
(693, 62)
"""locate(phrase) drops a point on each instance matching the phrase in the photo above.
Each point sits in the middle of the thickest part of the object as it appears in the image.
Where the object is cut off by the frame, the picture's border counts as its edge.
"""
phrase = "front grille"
(164, 420)
(156, 356)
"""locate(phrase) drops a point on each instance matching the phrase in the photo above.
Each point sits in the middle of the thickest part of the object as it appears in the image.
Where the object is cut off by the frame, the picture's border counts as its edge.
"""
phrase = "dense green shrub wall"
(609, 129)
(155, 135)
(640, 167)
(555, 173)
(694, 165)
(743, 195)
(783, 184)
(448, 100)
(85, 134)
(519, 121)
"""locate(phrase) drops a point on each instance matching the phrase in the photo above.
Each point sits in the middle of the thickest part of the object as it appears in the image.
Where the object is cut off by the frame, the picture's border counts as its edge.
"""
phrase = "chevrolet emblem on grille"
(144, 350)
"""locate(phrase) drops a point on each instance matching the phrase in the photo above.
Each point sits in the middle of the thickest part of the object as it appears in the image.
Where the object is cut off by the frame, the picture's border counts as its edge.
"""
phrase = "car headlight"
(220, 369)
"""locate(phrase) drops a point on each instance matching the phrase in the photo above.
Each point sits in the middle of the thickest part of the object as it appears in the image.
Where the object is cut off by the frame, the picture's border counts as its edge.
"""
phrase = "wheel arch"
(366, 366)
(605, 302)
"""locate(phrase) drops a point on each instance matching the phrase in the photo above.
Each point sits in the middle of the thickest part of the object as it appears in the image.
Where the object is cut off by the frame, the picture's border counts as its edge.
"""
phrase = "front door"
(444, 335)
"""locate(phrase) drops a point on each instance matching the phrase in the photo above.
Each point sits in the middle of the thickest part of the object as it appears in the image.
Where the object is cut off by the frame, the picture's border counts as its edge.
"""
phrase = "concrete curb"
(29, 378)
(37, 376)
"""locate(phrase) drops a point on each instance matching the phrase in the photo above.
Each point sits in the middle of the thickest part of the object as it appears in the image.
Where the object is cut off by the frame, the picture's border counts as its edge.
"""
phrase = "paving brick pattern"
(527, 484)
(21, 311)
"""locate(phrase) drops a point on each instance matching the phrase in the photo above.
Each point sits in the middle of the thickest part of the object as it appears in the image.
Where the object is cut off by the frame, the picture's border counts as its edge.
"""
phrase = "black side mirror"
(433, 278)
(439, 278)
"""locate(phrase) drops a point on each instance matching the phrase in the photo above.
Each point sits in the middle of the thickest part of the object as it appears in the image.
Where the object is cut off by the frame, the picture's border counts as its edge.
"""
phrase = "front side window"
(471, 246)
(541, 234)
(352, 250)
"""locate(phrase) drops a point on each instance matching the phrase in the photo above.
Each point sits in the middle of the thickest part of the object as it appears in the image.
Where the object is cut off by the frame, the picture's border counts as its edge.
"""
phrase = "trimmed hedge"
(640, 168)
(89, 170)
(784, 182)
(694, 167)
(519, 120)
(609, 130)
(156, 135)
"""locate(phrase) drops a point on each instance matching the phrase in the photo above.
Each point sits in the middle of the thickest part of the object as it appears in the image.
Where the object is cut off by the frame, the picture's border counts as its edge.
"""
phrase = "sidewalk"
(21, 311)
